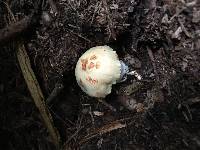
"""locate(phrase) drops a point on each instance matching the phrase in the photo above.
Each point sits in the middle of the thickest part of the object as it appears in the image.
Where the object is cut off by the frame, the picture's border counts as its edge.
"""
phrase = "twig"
(33, 85)
(80, 36)
(152, 60)
(177, 14)
(36, 92)
(73, 135)
(95, 11)
(184, 29)
(186, 5)
(58, 88)
(103, 130)
(15, 29)
(110, 22)
(12, 31)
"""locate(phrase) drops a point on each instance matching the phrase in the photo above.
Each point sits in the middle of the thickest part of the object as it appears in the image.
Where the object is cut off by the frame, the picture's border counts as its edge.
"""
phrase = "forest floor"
(160, 39)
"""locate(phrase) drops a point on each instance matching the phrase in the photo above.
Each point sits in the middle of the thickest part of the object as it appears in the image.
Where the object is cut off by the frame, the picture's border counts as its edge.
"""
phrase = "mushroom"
(98, 69)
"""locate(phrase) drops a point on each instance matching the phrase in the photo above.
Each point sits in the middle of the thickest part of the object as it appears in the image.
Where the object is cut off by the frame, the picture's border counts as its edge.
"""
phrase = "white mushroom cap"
(97, 69)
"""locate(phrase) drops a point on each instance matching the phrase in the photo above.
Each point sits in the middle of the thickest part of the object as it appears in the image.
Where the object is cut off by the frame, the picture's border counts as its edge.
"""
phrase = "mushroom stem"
(125, 71)
(135, 73)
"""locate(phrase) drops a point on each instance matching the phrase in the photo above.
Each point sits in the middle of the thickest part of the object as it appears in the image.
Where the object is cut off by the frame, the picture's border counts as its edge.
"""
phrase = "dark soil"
(158, 38)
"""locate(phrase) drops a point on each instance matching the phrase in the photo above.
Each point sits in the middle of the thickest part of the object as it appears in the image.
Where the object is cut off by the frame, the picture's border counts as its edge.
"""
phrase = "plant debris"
(160, 39)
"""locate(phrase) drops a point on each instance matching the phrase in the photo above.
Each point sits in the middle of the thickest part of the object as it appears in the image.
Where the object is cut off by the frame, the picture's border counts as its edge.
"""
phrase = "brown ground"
(158, 38)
